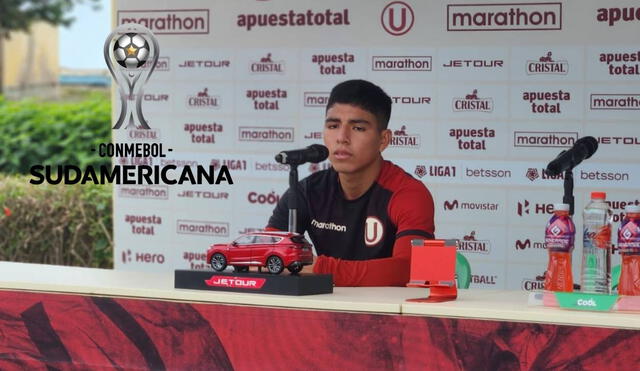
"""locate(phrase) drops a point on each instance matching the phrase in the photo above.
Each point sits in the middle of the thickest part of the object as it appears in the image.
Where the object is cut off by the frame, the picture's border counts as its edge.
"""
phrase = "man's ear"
(385, 139)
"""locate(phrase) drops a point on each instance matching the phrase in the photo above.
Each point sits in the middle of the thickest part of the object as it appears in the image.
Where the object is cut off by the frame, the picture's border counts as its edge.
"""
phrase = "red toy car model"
(274, 250)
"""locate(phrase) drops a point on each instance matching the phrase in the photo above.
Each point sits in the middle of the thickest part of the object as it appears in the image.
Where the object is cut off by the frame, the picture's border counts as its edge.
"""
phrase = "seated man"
(362, 213)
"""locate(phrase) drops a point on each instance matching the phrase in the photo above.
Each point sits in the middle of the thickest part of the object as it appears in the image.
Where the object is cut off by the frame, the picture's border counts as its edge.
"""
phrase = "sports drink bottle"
(559, 239)
(629, 247)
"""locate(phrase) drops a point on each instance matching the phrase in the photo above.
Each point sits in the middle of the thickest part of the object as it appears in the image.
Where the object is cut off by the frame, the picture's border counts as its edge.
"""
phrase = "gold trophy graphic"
(131, 52)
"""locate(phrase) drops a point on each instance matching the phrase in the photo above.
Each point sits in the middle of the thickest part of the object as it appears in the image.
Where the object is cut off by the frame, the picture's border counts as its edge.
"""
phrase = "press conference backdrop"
(484, 94)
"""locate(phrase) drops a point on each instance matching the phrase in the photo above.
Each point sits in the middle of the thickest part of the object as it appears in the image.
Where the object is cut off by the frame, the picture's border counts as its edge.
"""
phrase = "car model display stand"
(433, 264)
(253, 282)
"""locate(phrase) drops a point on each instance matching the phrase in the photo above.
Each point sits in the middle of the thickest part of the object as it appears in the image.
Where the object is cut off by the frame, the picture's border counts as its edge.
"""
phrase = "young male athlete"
(362, 213)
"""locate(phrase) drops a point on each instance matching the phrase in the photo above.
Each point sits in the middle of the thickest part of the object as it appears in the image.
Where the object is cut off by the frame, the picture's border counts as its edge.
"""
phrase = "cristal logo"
(267, 66)
(204, 100)
(397, 18)
(586, 303)
(400, 138)
(373, 231)
(470, 244)
(236, 282)
(532, 285)
(472, 103)
(546, 65)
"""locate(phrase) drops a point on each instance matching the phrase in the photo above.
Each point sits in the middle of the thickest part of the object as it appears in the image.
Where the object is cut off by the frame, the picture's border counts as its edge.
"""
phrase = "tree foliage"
(18, 15)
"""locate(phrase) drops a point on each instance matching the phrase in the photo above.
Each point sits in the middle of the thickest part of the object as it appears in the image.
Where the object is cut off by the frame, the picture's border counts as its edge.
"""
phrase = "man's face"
(351, 134)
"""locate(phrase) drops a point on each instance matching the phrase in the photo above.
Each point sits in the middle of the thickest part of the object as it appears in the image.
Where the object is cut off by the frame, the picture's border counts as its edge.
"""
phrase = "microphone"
(314, 153)
(582, 149)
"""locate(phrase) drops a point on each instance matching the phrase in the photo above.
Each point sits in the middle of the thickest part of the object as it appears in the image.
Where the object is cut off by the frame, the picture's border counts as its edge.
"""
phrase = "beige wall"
(31, 59)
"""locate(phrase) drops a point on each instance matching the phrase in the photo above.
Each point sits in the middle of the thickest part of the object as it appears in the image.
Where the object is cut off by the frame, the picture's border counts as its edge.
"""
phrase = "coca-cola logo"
(236, 282)
(397, 18)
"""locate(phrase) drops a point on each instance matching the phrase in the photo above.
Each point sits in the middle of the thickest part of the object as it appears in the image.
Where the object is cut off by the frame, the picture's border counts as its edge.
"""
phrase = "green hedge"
(53, 133)
(56, 224)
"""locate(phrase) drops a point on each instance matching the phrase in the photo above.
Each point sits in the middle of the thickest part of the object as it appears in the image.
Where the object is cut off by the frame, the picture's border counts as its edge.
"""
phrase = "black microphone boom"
(314, 153)
(582, 149)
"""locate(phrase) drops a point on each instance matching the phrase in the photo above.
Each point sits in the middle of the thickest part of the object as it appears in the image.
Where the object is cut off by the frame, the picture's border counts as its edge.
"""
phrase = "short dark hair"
(363, 94)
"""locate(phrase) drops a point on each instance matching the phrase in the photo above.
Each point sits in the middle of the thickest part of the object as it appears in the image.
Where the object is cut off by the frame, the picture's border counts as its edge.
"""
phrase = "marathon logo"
(504, 17)
(169, 21)
(401, 63)
(544, 139)
(154, 192)
(265, 134)
(316, 99)
(546, 65)
(236, 282)
(203, 228)
(163, 64)
(617, 102)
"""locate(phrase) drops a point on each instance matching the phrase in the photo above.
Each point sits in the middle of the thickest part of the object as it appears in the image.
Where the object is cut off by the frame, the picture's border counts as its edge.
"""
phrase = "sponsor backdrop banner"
(485, 94)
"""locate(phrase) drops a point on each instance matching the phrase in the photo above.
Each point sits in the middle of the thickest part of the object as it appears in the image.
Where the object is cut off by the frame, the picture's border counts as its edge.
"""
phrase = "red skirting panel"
(54, 331)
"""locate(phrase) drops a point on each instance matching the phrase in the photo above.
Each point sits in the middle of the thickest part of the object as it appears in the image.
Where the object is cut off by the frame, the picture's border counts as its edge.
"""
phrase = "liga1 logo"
(131, 52)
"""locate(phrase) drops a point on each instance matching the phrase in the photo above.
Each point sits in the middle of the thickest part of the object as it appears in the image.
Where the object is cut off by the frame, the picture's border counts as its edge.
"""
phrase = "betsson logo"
(504, 17)
(169, 21)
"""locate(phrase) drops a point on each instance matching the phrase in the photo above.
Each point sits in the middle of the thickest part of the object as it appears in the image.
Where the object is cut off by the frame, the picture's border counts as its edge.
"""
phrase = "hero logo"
(192, 63)
(401, 139)
(316, 99)
(488, 206)
(169, 21)
(622, 65)
(618, 102)
(267, 66)
(533, 285)
(532, 174)
(203, 228)
(504, 17)
(470, 244)
(373, 231)
(162, 65)
(391, 13)
(203, 100)
(525, 209)
(472, 103)
(546, 65)
(527, 244)
(613, 15)
(544, 139)
(158, 192)
(264, 134)
(236, 282)
(401, 63)
(436, 170)
(269, 199)
(142, 257)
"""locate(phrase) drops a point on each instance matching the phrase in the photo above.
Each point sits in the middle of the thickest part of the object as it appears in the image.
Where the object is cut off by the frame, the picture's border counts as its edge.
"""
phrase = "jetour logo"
(397, 18)
(236, 282)
(472, 103)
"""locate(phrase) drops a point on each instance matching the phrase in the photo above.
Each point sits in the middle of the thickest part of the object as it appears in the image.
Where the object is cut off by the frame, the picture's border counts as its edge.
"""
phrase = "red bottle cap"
(598, 195)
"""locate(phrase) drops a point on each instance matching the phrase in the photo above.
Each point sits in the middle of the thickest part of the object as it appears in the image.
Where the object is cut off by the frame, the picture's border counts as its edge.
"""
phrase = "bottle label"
(600, 238)
(629, 236)
(560, 234)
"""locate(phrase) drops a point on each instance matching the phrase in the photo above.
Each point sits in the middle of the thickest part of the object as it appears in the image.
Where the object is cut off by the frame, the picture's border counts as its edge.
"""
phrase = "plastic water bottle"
(596, 248)
(629, 247)
(559, 238)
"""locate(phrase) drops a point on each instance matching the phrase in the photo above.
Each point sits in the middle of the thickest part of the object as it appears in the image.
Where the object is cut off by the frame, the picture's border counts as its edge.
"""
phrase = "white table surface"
(472, 304)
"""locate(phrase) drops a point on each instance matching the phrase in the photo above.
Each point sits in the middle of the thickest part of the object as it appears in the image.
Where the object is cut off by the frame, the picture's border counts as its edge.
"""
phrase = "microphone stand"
(568, 191)
(293, 197)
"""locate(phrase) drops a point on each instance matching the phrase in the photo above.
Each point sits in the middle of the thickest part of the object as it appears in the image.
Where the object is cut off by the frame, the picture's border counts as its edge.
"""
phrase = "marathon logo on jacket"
(402, 139)
(504, 17)
(617, 102)
(316, 99)
(294, 18)
(203, 228)
(472, 103)
(265, 134)
(544, 139)
(401, 63)
(169, 21)
(546, 101)
(470, 244)
(333, 64)
(203, 100)
(329, 226)
(547, 65)
(152, 192)
(621, 63)
(267, 66)
(614, 15)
